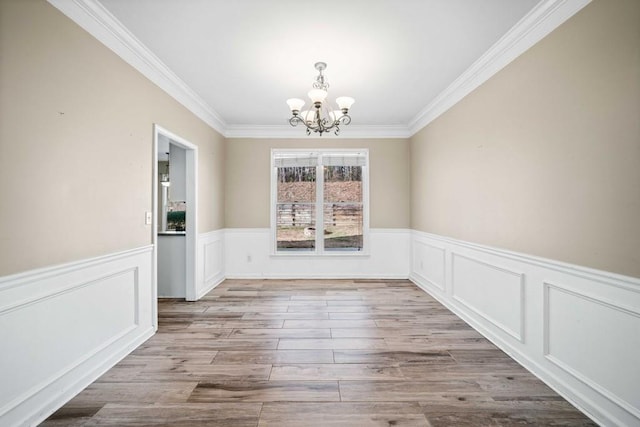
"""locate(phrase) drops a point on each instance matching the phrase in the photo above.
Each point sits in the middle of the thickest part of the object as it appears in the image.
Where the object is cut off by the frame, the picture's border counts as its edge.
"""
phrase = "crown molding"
(533, 27)
(287, 131)
(94, 18)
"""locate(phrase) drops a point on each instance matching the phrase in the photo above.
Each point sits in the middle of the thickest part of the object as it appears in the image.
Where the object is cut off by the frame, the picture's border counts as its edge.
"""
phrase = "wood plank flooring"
(316, 353)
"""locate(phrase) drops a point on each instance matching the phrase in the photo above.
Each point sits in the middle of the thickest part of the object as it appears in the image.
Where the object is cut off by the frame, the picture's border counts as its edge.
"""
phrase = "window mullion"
(319, 206)
(274, 206)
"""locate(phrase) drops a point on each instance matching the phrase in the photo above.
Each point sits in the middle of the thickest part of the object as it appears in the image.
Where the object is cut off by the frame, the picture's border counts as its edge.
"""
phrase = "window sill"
(336, 254)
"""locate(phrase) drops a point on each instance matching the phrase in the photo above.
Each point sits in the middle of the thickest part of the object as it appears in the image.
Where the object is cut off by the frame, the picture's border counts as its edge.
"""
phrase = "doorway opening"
(174, 216)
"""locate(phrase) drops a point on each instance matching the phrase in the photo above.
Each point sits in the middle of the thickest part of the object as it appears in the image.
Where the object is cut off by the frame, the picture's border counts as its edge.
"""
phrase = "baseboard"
(211, 285)
(560, 321)
(88, 377)
(51, 353)
(319, 277)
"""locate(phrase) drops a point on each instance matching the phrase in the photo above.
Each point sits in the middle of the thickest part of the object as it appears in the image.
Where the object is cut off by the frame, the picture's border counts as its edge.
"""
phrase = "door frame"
(191, 236)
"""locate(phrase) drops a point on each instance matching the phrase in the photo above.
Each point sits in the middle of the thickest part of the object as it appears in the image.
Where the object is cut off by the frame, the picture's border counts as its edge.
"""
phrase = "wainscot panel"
(210, 265)
(247, 255)
(429, 263)
(64, 326)
(602, 330)
(576, 328)
(492, 292)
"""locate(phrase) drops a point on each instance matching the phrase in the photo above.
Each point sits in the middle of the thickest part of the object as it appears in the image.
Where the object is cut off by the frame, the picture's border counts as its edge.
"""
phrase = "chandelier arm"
(317, 121)
(329, 115)
(345, 119)
(322, 124)
(294, 120)
(310, 123)
(310, 127)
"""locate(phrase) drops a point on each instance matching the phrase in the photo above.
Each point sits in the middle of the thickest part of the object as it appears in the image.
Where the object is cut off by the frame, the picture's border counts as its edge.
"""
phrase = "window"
(319, 201)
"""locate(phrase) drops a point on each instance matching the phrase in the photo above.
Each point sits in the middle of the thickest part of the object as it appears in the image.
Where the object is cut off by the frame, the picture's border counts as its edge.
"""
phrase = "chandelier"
(321, 117)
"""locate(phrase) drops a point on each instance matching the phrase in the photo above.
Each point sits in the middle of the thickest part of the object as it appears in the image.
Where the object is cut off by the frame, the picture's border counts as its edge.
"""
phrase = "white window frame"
(319, 246)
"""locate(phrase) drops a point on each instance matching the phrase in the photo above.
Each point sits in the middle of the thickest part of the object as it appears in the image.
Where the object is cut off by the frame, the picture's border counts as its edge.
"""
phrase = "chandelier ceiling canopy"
(321, 117)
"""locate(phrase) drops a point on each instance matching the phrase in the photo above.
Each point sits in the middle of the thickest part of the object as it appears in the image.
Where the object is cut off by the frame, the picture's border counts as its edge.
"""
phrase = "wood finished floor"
(316, 353)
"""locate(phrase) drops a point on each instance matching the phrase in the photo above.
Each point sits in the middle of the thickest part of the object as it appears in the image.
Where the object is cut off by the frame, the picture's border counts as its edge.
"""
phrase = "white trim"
(605, 277)
(538, 23)
(392, 230)
(519, 334)
(211, 285)
(154, 230)
(247, 255)
(101, 24)
(605, 405)
(246, 230)
(566, 367)
(206, 279)
(576, 376)
(120, 281)
(443, 257)
(319, 245)
(288, 132)
(77, 385)
(191, 218)
(52, 292)
(527, 362)
(319, 204)
(47, 273)
(191, 235)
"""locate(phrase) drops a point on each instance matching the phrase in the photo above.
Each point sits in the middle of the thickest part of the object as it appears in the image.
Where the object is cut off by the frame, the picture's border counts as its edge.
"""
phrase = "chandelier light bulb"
(345, 102)
(295, 104)
(307, 116)
(317, 95)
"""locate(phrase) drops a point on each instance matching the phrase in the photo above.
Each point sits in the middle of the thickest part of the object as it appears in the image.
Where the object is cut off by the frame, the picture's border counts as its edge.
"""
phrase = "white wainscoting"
(210, 262)
(576, 328)
(477, 285)
(247, 255)
(62, 327)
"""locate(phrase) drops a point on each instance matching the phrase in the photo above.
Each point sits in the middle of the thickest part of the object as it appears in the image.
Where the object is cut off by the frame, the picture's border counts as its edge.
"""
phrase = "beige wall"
(76, 139)
(544, 158)
(248, 178)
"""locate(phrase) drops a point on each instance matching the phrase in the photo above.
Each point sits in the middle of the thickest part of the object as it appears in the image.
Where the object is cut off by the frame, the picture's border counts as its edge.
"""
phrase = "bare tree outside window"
(319, 193)
(296, 208)
(343, 208)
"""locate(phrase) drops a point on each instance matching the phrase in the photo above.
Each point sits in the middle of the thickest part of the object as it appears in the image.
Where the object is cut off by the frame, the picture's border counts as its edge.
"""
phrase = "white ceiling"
(246, 57)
